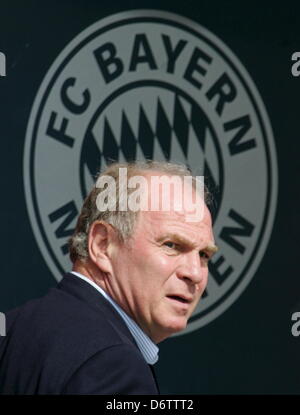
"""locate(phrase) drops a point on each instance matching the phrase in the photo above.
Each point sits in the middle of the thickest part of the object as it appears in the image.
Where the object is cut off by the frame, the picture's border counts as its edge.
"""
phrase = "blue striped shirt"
(148, 349)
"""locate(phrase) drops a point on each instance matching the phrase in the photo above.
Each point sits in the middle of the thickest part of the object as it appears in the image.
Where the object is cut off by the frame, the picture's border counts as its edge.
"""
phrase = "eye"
(204, 255)
(171, 245)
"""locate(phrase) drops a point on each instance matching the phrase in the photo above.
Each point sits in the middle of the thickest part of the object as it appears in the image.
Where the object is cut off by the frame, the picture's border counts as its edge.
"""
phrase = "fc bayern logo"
(150, 84)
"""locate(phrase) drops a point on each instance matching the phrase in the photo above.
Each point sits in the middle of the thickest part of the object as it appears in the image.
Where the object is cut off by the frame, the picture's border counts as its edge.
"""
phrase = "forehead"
(159, 224)
(178, 210)
(173, 190)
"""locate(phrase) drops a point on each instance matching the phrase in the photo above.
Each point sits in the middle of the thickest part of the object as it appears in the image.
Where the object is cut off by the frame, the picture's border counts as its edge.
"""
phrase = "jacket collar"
(88, 294)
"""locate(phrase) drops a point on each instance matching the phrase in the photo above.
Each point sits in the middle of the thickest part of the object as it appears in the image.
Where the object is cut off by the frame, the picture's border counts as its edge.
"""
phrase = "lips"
(182, 298)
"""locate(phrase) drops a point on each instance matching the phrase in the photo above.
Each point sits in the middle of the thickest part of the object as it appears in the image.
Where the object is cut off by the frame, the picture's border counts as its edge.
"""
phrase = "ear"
(100, 241)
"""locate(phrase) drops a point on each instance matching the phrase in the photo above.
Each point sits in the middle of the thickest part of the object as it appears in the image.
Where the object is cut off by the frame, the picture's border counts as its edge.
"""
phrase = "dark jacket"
(71, 341)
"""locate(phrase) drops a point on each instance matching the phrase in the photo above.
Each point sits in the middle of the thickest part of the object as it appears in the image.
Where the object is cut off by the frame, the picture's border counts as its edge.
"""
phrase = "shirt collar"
(148, 349)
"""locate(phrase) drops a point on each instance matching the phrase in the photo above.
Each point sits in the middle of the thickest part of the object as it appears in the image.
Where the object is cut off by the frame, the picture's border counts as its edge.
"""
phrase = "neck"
(89, 270)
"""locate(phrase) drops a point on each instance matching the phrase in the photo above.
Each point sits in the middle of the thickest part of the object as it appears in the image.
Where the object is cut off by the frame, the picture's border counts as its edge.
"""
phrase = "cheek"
(164, 260)
(154, 259)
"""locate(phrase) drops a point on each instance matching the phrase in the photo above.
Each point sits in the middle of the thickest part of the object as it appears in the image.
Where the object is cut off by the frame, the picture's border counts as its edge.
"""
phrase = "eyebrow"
(210, 247)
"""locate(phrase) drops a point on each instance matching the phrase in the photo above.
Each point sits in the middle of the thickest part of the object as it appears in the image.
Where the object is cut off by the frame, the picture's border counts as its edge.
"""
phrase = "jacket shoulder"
(48, 339)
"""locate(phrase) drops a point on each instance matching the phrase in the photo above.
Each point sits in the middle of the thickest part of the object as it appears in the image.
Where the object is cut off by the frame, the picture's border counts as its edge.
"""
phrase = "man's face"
(160, 274)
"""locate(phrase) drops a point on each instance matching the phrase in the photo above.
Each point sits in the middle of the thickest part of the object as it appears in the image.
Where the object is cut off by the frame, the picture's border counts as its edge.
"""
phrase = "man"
(137, 276)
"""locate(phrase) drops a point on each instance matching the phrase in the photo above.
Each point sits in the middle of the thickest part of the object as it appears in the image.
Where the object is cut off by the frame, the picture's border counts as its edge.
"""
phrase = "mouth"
(180, 298)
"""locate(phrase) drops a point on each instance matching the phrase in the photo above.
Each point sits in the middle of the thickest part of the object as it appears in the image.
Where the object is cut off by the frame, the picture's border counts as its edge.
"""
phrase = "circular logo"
(150, 84)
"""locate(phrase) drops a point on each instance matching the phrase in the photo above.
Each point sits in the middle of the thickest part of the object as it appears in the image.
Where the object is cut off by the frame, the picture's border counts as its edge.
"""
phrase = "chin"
(177, 325)
(168, 330)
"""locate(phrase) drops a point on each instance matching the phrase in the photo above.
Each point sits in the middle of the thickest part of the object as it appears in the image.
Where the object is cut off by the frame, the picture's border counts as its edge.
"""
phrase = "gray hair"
(122, 221)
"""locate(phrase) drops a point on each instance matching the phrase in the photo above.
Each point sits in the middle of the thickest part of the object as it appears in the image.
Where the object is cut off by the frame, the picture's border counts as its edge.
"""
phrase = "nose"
(191, 269)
